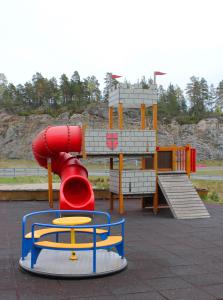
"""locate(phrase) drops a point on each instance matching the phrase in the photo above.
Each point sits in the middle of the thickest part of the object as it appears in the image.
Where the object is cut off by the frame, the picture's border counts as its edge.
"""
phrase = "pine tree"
(65, 88)
(109, 82)
(197, 91)
(93, 88)
(3, 85)
(219, 97)
(211, 102)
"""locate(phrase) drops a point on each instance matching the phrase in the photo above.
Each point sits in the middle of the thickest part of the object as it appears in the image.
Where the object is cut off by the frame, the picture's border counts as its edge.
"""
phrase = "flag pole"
(154, 74)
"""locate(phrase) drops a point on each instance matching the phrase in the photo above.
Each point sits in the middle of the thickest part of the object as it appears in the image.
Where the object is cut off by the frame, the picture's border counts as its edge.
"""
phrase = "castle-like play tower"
(164, 170)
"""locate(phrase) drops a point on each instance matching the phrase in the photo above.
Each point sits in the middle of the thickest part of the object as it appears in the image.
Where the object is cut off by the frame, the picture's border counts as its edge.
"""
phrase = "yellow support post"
(73, 241)
(110, 126)
(121, 198)
(155, 127)
(120, 116)
(120, 126)
(188, 160)
(174, 158)
(110, 193)
(143, 116)
(154, 116)
(50, 183)
(143, 127)
(155, 196)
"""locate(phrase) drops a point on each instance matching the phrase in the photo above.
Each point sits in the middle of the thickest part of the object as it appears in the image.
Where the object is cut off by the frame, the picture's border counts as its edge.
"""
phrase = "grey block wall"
(100, 141)
(133, 96)
(133, 182)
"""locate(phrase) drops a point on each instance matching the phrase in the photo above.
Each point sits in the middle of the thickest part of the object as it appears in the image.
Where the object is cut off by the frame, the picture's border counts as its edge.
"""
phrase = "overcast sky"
(126, 37)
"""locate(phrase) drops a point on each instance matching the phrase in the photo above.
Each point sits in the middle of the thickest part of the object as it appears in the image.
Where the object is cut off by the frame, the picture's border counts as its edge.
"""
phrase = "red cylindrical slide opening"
(76, 193)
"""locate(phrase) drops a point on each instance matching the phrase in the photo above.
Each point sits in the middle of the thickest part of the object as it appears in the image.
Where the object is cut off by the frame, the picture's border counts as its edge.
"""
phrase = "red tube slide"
(54, 143)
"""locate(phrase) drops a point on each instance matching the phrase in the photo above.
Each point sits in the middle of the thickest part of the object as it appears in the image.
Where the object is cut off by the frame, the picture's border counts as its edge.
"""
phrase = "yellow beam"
(154, 116)
(121, 198)
(188, 160)
(110, 126)
(143, 127)
(155, 196)
(50, 183)
(155, 127)
(174, 158)
(170, 148)
(111, 198)
(143, 116)
(120, 116)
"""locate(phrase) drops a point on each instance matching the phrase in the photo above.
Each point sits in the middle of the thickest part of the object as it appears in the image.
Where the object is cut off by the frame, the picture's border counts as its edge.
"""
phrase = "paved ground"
(168, 259)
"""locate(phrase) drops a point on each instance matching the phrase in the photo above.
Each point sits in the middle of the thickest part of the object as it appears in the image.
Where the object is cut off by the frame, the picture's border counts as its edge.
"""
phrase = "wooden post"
(110, 126)
(155, 196)
(154, 116)
(174, 158)
(143, 127)
(110, 193)
(121, 198)
(120, 116)
(143, 116)
(155, 127)
(110, 117)
(188, 160)
(120, 126)
(50, 183)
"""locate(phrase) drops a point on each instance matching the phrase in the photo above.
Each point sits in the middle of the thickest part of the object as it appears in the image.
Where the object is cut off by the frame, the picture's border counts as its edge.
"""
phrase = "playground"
(151, 220)
(167, 258)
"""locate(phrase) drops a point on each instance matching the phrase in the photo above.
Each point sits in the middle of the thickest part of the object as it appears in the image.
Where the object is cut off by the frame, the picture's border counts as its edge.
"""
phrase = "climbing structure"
(120, 142)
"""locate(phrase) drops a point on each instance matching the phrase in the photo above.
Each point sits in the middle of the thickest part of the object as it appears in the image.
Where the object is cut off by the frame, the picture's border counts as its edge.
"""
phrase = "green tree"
(40, 86)
(181, 100)
(144, 83)
(9, 95)
(109, 82)
(3, 85)
(53, 92)
(211, 102)
(29, 94)
(93, 90)
(219, 97)
(65, 88)
(198, 93)
(76, 88)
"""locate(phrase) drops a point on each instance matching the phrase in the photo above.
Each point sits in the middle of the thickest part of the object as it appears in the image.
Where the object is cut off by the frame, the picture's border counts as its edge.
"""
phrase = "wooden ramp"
(182, 197)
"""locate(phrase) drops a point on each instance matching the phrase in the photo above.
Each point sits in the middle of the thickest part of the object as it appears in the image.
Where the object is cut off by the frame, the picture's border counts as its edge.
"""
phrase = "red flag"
(115, 76)
(159, 73)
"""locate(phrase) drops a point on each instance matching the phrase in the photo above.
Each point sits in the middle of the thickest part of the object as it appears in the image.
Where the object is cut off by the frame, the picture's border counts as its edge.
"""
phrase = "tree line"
(43, 95)
(199, 100)
(47, 95)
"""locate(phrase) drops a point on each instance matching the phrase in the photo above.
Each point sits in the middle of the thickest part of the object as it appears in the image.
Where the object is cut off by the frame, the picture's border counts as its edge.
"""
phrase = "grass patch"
(27, 179)
(211, 163)
(210, 172)
(215, 189)
(98, 182)
(101, 182)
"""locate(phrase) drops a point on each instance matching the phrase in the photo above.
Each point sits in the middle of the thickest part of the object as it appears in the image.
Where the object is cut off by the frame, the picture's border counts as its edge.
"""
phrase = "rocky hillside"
(17, 132)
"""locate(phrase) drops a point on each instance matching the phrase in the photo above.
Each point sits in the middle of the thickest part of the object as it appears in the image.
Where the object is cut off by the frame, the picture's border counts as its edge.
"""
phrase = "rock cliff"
(17, 132)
